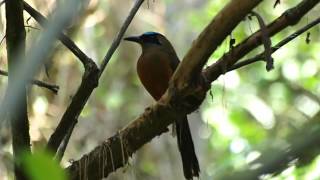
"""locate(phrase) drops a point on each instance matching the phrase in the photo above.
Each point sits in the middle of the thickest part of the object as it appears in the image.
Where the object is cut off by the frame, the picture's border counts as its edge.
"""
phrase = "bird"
(155, 67)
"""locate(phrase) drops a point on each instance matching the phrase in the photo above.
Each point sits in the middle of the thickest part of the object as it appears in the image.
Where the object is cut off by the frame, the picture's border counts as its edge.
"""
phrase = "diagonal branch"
(88, 84)
(288, 18)
(86, 61)
(210, 38)
(119, 36)
(51, 87)
(26, 66)
(115, 152)
(260, 57)
(266, 41)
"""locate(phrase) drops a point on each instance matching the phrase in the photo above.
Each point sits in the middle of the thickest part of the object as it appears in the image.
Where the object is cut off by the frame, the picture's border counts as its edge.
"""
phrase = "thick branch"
(16, 39)
(115, 152)
(51, 87)
(210, 38)
(288, 18)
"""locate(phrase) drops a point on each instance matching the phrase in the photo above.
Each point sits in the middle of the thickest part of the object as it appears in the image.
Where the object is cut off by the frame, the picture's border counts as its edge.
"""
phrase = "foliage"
(250, 109)
(40, 166)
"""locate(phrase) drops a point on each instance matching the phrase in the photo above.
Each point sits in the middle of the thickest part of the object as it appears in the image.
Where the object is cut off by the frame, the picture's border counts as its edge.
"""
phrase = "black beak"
(133, 39)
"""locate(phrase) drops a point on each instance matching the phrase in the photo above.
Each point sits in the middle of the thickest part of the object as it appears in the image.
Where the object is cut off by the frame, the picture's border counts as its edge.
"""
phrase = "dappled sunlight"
(260, 110)
(247, 112)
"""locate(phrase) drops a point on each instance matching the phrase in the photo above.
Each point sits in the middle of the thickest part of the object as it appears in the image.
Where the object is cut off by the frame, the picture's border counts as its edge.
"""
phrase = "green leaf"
(40, 165)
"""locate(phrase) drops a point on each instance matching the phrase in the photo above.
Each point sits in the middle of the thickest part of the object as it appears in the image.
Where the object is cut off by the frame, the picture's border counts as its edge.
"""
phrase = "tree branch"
(260, 56)
(86, 61)
(288, 18)
(25, 70)
(119, 36)
(266, 42)
(51, 87)
(88, 84)
(18, 115)
(210, 38)
(115, 152)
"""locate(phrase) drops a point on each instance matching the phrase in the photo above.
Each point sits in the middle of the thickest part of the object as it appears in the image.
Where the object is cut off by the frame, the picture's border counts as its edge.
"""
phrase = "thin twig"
(63, 146)
(2, 39)
(288, 18)
(260, 57)
(277, 2)
(62, 37)
(89, 82)
(31, 27)
(2, 2)
(266, 41)
(119, 36)
(51, 87)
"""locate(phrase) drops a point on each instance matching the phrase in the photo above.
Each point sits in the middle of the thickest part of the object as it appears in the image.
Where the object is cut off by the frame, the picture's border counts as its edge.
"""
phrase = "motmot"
(155, 67)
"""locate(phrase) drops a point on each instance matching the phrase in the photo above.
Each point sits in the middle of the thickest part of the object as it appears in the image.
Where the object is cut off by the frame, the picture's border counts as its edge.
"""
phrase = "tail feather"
(185, 143)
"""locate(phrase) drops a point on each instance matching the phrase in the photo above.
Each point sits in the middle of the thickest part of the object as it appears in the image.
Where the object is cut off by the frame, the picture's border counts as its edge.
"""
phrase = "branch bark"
(16, 39)
(186, 90)
(180, 99)
(260, 56)
(288, 18)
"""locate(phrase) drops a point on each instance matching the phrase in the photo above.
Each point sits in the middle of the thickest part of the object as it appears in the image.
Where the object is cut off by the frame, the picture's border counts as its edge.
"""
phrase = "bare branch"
(115, 152)
(37, 54)
(119, 36)
(260, 57)
(18, 115)
(2, 2)
(2, 39)
(88, 83)
(266, 41)
(210, 38)
(51, 87)
(62, 148)
(288, 18)
(86, 61)
(277, 2)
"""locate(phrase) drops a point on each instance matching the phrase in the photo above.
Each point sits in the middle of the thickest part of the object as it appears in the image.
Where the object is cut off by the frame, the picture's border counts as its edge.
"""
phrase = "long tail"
(185, 143)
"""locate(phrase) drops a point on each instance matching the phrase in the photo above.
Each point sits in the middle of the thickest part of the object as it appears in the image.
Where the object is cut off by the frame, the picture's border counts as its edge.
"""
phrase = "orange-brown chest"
(155, 71)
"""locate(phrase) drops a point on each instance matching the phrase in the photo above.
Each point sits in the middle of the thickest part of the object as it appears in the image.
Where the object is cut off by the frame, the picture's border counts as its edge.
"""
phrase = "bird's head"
(148, 39)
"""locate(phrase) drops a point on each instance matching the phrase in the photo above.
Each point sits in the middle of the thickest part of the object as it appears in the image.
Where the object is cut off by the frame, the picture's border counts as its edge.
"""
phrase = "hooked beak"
(133, 39)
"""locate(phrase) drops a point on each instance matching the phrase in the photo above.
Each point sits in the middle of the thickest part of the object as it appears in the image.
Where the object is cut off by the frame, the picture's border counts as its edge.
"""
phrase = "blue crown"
(150, 33)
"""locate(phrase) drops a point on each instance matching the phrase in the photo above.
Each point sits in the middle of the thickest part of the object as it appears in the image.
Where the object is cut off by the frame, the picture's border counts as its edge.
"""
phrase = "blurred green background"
(250, 109)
